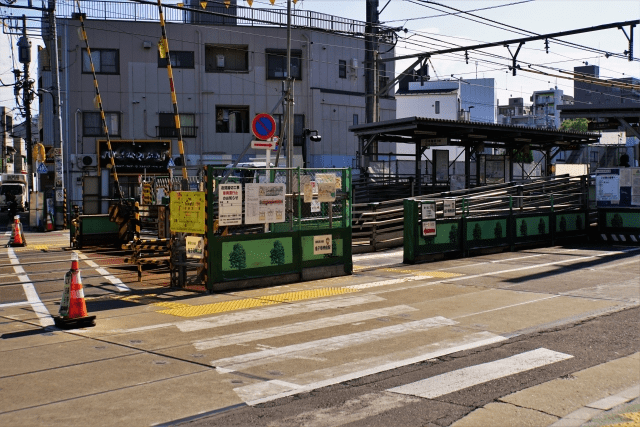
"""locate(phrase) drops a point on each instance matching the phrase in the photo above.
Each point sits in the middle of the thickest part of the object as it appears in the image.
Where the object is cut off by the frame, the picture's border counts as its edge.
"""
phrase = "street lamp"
(314, 138)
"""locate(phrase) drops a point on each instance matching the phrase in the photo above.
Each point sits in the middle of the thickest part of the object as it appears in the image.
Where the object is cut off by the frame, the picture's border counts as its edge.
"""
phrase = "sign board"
(264, 203)
(322, 244)
(263, 126)
(308, 192)
(428, 210)
(42, 168)
(315, 205)
(635, 186)
(602, 126)
(608, 187)
(430, 142)
(59, 171)
(186, 212)
(195, 247)
(449, 208)
(264, 145)
(171, 163)
(230, 204)
(59, 195)
(137, 156)
(326, 187)
(428, 228)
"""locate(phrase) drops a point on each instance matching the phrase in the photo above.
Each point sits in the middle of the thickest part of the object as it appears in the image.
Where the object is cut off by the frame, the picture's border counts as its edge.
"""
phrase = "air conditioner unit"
(220, 61)
(86, 160)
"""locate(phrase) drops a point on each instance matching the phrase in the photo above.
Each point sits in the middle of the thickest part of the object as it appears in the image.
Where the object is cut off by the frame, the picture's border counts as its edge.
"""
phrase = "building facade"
(224, 75)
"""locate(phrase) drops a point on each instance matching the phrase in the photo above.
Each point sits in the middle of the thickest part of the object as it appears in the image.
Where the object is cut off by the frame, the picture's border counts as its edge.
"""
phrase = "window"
(355, 119)
(105, 61)
(298, 127)
(167, 125)
(226, 58)
(277, 64)
(232, 119)
(342, 69)
(92, 123)
(179, 59)
(437, 107)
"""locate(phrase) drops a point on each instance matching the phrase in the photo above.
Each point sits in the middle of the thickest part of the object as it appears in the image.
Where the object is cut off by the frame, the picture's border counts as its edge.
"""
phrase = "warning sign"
(186, 212)
(429, 228)
(322, 244)
(230, 204)
(195, 247)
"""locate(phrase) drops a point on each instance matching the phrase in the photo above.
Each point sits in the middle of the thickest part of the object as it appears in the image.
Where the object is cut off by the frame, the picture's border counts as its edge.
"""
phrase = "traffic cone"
(17, 235)
(49, 223)
(73, 309)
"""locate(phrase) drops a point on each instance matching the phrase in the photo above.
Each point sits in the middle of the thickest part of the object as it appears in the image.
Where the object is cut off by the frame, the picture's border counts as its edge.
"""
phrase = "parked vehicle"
(13, 193)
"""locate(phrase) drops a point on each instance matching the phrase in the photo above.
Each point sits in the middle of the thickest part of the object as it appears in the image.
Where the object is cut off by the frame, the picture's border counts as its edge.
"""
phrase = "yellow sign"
(186, 212)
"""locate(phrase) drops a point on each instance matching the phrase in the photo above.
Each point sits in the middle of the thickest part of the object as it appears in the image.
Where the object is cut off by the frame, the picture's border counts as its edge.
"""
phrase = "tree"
(542, 227)
(238, 257)
(579, 222)
(477, 232)
(563, 224)
(453, 234)
(617, 222)
(575, 125)
(523, 227)
(497, 232)
(277, 253)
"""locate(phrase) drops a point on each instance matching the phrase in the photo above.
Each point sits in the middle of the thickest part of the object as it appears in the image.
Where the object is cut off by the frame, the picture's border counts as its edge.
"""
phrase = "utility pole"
(289, 120)
(57, 117)
(24, 57)
(371, 46)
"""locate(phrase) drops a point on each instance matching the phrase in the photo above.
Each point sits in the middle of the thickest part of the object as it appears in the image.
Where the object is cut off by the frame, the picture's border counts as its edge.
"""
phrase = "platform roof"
(466, 133)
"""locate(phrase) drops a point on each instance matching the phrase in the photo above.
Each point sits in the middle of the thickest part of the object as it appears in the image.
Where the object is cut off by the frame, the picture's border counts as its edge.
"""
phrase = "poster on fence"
(195, 247)
(264, 203)
(230, 204)
(186, 212)
(608, 187)
(326, 187)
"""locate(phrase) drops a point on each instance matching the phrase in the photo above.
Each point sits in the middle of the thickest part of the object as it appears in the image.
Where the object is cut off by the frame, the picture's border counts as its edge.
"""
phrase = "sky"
(432, 28)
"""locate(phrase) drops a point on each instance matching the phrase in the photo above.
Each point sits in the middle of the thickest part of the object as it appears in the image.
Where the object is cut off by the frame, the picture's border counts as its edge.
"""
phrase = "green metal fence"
(490, 222)
(275, 226)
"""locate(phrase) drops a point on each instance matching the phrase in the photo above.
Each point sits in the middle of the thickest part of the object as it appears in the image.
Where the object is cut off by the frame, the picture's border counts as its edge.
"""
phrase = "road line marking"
(14, 304)
(468, 377)
(385, 282)
(270, 312)
(490, 339)
(30, 291)
(375, 256)
(221, 307)
(312, 348)
(294, 328)
(120, 286)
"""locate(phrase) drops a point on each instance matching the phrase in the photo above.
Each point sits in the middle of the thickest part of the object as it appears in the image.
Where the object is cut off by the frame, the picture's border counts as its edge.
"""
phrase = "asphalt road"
(514, 338)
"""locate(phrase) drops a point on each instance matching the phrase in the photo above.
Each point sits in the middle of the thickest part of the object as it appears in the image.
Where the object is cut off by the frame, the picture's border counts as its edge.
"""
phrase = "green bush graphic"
(238, 257)
(523, 228)
(497, 232)
(453, 234)
(542, 227)
(277, 253)
(617, 222)
(477, 232)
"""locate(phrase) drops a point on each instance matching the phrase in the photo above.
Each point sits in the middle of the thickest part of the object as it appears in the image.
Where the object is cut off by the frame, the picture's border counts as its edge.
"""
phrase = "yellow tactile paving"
(634, 418)
(221, 307)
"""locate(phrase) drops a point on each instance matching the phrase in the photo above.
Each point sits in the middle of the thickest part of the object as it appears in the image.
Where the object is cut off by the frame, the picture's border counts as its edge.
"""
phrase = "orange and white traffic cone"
(17, 235)
(49, 223)
(73, 309)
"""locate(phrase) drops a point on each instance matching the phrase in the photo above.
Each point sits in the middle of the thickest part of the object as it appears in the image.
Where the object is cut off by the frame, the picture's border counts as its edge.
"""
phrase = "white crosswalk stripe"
(478, 374)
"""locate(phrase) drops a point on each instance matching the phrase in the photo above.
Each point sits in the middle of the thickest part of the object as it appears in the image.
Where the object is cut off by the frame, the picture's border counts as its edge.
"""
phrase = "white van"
(13, 185)
(247, 175)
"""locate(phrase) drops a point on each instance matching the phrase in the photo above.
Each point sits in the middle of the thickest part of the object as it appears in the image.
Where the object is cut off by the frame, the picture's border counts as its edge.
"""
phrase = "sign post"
(264, 128)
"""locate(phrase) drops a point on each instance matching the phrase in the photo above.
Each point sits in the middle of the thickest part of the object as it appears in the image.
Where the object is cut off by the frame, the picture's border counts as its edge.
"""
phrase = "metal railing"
(235, 15)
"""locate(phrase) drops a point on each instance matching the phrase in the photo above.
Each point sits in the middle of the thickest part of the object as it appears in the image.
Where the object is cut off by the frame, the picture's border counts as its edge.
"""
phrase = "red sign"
(263, 126)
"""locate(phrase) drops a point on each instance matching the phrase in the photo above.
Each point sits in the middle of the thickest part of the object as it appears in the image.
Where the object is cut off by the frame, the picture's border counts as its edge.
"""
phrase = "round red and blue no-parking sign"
(263, 126)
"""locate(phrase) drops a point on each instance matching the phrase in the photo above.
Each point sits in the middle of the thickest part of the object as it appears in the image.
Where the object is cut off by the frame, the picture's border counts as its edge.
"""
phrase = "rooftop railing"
(216, 15)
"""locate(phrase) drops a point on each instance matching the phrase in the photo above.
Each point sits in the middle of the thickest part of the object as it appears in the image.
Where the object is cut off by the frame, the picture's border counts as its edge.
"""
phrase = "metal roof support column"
(418, 180)
(467, 166)
(510, 153)
(477, 167)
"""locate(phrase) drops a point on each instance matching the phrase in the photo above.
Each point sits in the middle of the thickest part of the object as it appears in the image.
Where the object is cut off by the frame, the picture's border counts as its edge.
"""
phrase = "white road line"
(376, 256)
(120, 286)
(294, 328)
(30, 291)
(264, 313)
(468, 377)
(386, 282)
(15, 304)
(487, 339)
(312, 348)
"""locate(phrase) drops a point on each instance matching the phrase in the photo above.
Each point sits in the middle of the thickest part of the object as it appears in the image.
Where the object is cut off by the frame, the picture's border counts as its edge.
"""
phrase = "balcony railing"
(172, 132)
(235, 15)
